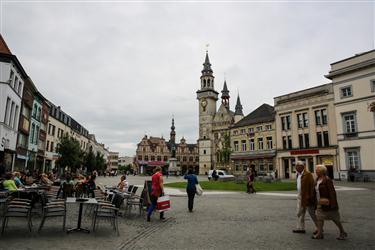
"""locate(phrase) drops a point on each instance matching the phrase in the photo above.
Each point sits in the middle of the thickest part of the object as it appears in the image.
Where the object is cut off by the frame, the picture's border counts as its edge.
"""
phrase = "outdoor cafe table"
(81, 202)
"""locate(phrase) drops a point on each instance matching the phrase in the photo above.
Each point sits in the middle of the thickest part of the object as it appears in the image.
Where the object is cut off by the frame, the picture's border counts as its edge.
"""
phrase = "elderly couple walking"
(318, 198)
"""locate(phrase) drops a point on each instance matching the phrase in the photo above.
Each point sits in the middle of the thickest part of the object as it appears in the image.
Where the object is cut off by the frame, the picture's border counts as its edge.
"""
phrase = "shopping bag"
(198, 189)
(163, 203)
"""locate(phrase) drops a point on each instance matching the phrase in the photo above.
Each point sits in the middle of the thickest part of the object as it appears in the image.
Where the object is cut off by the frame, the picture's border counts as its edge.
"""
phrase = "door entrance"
(286, 168)
(330, 171)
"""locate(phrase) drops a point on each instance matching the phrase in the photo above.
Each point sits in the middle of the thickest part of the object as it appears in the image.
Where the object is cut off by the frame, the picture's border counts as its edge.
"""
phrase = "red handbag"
(163, 203)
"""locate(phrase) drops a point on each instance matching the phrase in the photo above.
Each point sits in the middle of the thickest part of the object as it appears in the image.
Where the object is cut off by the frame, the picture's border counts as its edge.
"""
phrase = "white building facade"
(12, 77)
(354, 100)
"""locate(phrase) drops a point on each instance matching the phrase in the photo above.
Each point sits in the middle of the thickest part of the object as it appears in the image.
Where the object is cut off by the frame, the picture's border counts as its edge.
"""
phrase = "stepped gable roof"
(155, 140)
(264, 113)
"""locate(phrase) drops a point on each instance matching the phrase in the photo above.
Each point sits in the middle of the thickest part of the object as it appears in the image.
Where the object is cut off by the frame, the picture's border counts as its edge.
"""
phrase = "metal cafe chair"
(17, 209)
(108, 211)
(52, 208)
(134, 201)
(68, 190)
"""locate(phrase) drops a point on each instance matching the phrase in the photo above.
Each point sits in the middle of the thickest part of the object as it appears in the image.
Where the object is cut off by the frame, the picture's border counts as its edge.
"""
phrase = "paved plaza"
(221, 220)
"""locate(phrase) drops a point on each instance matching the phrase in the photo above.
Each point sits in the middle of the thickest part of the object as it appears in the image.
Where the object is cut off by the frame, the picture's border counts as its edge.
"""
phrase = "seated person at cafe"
(123, 184)
(80, 185)
(68, 180)
(91, 186)
(44, 180)
(23, 177)
(17, 179)
(67, 186)
(9, 182)
(51, 177)
(29, 179)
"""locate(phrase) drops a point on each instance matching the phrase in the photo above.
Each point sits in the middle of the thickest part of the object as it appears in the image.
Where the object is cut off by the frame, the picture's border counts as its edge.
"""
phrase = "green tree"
(70, 153)
(125, 168)
(90, 161)
(100, 162)
(223, 155)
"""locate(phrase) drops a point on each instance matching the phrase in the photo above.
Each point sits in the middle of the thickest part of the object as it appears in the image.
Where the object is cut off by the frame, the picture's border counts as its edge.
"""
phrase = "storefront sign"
(304, 152)
(22, 157)
(327, 161)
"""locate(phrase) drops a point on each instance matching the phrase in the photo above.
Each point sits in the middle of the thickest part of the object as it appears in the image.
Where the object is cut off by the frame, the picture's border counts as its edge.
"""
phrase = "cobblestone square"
(219, 221)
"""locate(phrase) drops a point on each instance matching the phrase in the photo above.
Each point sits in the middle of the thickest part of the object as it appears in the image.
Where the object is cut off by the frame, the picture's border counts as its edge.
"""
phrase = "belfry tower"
(207, 97)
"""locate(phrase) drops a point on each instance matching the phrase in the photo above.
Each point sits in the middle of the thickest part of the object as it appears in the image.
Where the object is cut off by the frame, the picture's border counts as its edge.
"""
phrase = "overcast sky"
(122, 69)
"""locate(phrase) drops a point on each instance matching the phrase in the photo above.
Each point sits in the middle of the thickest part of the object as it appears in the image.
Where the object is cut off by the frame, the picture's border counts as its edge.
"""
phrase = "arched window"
(204, 83)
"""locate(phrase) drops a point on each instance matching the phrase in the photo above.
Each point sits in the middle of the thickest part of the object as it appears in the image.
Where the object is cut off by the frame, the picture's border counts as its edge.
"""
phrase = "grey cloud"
(123, 69)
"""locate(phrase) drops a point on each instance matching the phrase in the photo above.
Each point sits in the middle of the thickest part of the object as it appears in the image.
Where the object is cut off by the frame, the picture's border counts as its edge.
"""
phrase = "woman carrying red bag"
(157, 191)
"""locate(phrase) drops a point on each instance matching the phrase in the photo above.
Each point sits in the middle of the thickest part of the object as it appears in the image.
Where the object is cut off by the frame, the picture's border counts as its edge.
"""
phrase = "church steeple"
(225, 95)
(207, 78)
(238, 107)
(207, 66)
(238, 114)
(173, 133)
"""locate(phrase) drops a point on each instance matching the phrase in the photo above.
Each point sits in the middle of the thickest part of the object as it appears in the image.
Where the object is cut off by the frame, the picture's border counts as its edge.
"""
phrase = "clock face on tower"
(204, 103)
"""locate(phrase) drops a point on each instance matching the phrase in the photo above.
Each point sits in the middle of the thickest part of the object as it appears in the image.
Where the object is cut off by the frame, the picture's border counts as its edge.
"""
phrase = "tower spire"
(225, 95)
(207, 66)
(238, 107)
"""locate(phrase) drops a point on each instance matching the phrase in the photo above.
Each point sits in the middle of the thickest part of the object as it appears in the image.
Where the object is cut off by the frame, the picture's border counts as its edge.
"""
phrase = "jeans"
(191, 195)
(154, 201)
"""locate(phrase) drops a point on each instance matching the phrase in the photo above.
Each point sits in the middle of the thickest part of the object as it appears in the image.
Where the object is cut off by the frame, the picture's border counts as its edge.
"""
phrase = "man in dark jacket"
(306, 198)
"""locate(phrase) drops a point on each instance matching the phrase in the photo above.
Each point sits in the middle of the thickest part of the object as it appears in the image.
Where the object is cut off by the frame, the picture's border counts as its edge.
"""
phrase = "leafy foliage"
(100, 162)
(125, 168)
(70, 153)
(90, 161)
(223, 155)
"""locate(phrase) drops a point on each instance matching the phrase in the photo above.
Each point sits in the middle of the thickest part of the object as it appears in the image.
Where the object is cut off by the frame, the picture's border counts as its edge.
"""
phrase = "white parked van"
(222, 175)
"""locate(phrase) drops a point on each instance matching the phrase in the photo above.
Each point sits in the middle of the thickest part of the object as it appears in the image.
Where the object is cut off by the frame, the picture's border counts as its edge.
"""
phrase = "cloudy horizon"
(123, 69)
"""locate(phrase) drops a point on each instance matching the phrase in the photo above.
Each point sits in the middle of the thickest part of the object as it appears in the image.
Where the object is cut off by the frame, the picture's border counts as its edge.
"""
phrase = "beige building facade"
(253, 142)
(55, 130)
(112, 164)
(306, 130)
(353, 82)
(60, 124)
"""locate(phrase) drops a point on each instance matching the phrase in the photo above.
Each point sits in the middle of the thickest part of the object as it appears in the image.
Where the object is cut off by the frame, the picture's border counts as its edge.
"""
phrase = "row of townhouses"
(156, 151)
(331, 124)
(31, 125)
